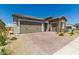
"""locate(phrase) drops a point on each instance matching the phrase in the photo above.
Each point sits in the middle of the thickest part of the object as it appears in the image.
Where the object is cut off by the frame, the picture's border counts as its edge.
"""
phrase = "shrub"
(5, 51)
(11, 33)
(13, 38)
(72, 32)
(2, 40)
(61, 34)
(77, 31)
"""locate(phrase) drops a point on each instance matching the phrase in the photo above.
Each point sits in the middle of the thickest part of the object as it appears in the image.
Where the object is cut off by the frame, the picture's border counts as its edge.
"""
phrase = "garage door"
(30, 27)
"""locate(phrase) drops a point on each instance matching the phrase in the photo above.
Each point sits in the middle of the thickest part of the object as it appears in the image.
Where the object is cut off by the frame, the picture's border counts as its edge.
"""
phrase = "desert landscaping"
(41, 43)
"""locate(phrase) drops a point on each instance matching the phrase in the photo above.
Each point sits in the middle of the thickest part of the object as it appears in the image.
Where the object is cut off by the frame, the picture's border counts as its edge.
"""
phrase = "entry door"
(45, 26)
(54, 27)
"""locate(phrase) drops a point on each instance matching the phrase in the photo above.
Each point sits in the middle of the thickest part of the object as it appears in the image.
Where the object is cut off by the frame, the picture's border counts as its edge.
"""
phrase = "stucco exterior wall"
(63, 28)
(16, 27)
(25, 24)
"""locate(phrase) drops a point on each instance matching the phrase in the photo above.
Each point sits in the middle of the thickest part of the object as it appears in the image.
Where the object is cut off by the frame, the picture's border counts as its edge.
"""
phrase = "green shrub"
(2, 40)
(77, 31)
(72, 32)
(61, 34)
(13, 38)
(5, 51)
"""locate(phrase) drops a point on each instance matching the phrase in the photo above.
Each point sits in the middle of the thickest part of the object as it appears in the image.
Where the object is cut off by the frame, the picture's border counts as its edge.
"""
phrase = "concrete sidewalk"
(70, 49)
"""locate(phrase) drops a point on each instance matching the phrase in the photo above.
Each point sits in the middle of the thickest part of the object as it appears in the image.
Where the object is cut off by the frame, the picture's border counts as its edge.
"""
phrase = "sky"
(70, 11)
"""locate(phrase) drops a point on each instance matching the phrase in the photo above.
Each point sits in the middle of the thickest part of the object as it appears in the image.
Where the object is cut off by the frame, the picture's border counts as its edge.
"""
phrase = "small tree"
(3, 35)
(5, 51)
(2, 40)
(61, 34)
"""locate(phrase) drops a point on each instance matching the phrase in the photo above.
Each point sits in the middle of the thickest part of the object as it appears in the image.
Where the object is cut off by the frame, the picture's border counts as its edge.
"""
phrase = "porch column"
(14, 27)
(48, 27)
(18, 25)
(58, 27)
(64, 26)
(51, 27)
(42, 28)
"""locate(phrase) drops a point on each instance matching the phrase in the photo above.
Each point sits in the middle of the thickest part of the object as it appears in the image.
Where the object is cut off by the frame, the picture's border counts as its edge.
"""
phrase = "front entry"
(54, 26)
(62, 26)
(45, 26)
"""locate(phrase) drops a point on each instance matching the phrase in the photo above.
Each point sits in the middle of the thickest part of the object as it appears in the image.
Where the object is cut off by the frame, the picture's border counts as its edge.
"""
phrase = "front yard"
(39, 43)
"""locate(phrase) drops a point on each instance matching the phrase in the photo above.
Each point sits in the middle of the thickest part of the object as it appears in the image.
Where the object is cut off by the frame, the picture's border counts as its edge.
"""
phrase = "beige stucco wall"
(16, 27)
(64, 26)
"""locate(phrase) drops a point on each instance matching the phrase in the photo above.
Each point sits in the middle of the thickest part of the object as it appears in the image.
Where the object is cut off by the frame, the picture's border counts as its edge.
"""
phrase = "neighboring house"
(77, 26)
(28, 24)
(69, 27)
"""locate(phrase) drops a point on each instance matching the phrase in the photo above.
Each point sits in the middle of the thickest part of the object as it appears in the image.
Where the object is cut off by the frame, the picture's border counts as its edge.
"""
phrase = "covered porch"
(54, 25)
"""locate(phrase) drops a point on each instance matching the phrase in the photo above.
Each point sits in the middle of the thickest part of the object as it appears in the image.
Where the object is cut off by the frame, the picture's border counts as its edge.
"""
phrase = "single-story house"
(77, 26)
(69, 27)
(28, 24)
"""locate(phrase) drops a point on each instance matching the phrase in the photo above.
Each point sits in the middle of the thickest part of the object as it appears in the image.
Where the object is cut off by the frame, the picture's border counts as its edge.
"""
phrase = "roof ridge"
(21, 15)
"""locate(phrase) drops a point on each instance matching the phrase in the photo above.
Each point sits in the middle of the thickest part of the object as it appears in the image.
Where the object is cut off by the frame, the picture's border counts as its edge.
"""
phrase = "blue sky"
(70, 11)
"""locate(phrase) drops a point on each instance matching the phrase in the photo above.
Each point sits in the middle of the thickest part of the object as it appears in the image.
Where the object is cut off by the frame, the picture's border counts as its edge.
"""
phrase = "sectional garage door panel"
(30, 27)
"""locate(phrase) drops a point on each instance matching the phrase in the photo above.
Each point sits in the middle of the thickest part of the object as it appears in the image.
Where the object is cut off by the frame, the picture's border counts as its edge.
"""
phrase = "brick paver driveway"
(44, 42)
